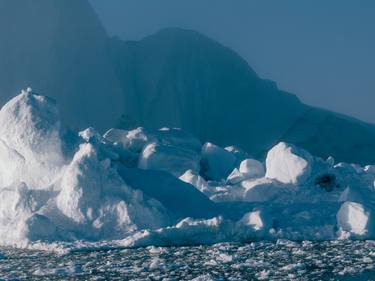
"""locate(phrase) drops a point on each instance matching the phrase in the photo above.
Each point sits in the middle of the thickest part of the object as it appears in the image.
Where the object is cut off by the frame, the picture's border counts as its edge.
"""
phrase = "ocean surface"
(263, 260)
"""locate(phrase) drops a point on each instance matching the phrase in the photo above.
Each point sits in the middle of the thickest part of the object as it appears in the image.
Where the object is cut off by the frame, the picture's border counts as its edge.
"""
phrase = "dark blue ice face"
(321, 51)
(185, 79)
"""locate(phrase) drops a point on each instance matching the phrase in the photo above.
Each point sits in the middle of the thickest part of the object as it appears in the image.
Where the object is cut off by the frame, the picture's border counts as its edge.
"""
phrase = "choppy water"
(282, 260)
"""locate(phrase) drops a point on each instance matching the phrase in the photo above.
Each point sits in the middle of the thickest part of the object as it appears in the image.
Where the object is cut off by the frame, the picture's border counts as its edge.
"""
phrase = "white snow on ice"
(145, 187)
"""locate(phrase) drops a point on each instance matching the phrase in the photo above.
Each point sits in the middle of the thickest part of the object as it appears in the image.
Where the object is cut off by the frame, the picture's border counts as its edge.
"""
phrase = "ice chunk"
(195, 180)
(174, 149)
(182, 199)
(260, 190)
(91, 135)
(93, 195)
(172, 159)
(134, 140)
(116, 135)
(252, 168)
(205, 277)
(217, 163)
(288, 164)
(30, 130)
(188, 231)
(253, 225)
(370, 169)
(257, 220)
(249, 168)
(121, 145)
(235, 177)
(81, 185)
(353, 218)
(178, 138)
(16, 206)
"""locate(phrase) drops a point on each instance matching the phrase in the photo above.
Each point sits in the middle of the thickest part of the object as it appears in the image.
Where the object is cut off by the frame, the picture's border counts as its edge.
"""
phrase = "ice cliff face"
(180, 78)
(59, 47)
(164, 187)
(175, 78)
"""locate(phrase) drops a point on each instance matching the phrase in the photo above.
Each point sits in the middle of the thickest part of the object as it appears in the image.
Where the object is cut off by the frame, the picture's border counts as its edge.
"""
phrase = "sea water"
(263, 260)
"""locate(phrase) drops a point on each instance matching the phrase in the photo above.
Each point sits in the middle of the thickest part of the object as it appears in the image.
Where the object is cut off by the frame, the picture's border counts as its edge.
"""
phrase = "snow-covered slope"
(59, 185)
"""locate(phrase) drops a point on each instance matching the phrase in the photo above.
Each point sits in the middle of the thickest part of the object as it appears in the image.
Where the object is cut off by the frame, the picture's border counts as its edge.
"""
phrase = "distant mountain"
(175, 78)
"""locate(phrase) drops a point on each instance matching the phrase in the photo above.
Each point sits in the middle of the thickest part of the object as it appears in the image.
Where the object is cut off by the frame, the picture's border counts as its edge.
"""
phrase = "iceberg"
(352, 219)
(63, 187)
(31, 140)
(174, 78)
(213, 93)
(249, 168)
(287, 164)
(140, 187)
(172, 159)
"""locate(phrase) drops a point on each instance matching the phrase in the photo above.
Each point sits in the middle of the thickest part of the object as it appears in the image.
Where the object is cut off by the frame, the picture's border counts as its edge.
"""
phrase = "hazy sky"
(323, 51)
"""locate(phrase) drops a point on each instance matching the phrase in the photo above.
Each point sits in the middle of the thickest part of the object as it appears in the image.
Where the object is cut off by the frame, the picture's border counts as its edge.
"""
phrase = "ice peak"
(28, 90)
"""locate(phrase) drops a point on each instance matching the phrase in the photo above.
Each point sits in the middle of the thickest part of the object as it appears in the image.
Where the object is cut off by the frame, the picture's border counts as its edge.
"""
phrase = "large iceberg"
(174, 78)
(163, 187)
(212, 92)
(63, 185)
